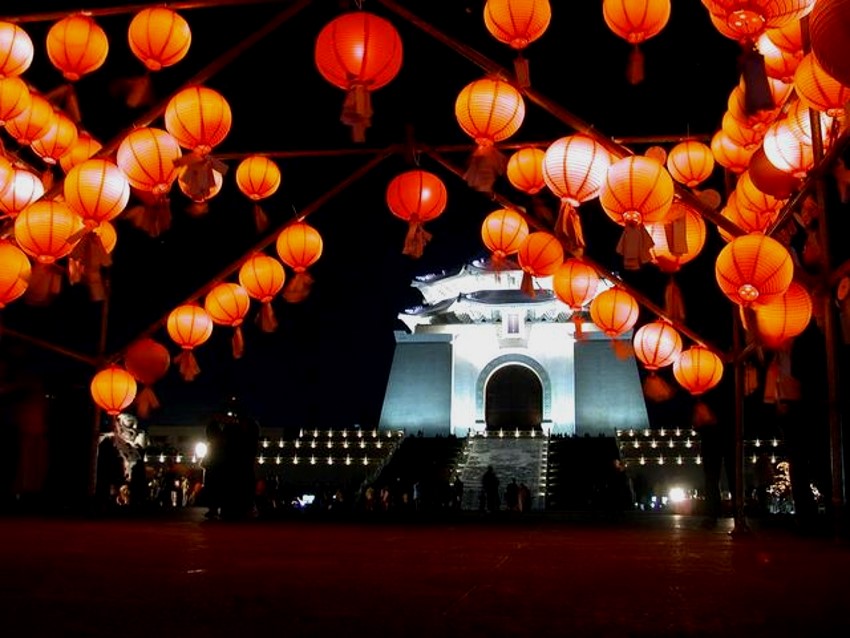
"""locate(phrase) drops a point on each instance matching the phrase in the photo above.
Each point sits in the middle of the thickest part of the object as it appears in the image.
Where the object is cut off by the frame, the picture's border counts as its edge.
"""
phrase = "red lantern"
(227, 305)
(32, 123)
(783, 318)
(113, 389)
(786, 152)
(16, 50)
(96, 190)
(147, 156)
(575, 283)
(199, 118)
(769, 179)
(417, 197)
(189, 326)
(753, 268)
(755, 206)
(159, 37)
(690, 163)
(84, 148)
(503, 232)
(76, 45)
(299, 246)
(657, 344)
(637, 190)
(263, 277)
(745, 20)
(15, 271)
(58, 140)
(779, 63)
(730, 154)
(517, 23)
(15, 98)
(679, 240)
(23, 188)
(47, 230)
(829, 29)
(540, 255)
(698, 370)
(148, 361)
(636, 21)
(358, 52)
(525, 170)
(819, 90)
(614, 311)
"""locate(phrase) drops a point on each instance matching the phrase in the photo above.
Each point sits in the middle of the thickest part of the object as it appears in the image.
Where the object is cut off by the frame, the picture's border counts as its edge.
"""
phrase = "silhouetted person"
(512, 496)
(214, 469)
(490, 489)
(714, 424)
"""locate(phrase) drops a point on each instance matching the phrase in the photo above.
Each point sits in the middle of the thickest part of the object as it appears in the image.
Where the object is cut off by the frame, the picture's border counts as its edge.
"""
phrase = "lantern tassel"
(238, 343)
(674, 304)
(485, 166)
(153, 217)
(757, 94)
(702, 415)
(188, 365)
(578, 323)
(622, 348)
(523, 78)
(635, 246)
(137, 91)
(568, 229)
(297, 289)
(146, 402)
(47, 177)
(357, 111)
(45, 283)
(261, 219)
(415, 240)
(85, 263)
(657, 389)
(527, 284)
(635, 66)
(266, 319)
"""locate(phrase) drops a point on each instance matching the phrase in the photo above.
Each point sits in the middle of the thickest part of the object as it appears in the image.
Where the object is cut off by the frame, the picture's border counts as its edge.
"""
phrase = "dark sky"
(328, 361)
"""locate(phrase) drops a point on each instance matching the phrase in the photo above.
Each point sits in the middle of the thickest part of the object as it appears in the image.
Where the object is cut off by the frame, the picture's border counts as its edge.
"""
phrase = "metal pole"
(740, 522)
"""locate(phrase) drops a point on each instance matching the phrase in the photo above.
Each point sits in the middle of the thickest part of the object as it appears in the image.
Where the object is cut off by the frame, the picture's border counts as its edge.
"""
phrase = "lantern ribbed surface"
(417, 196)
(58, 140)
(784, 317)
(97, 190)
(736, 105)
(729, 154)
(741, 132)
(694, 238)
(77, 45)
(690, 163)
(15, 98)
(541, 254)
(614, 311)
(753, 268)
(799, 122)
(574, 168)
(299, 246)
(227, 304)
(16, 50)
(489, 110)
(262, 277)
(84, 148)
(787, 152)
(779, 63)
(44, 230)
(503, 232)
(575, 283)
(517, 23)
(113, 389)
(257, 177)
(759, 208)
(33, 122)
(698, 370)
(636, 20)
(23, 188)
(769, 179)
(15, 272)
(159, 37)
(657, 344)
(829, 32)
(789, 37)
(189, 326)
(636, 189)
(147, 360)
(747, 19)
(108, 236)
(146, 156)
(199, 118)
(818, 89)
(358, 48)
(525, 170)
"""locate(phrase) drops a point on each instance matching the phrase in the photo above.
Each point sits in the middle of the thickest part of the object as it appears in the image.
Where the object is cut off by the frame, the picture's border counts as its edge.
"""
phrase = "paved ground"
(183, 576)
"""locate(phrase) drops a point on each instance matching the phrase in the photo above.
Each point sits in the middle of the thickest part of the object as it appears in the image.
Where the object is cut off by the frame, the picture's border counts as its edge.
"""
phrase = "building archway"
(514, 399)
(515, 359)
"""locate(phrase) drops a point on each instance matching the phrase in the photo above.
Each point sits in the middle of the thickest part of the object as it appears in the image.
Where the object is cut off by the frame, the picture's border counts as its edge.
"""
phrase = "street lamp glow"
(200, 449)
(677, 495)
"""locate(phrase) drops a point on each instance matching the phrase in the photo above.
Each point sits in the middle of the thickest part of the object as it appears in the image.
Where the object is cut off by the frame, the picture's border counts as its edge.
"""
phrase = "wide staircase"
(515, 455)
(585, 475)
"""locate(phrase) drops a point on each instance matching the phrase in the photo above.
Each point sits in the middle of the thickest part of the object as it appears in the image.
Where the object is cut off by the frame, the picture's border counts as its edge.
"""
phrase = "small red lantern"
(503, 232)
(148, 361)
(258, 177)
(299, 246)
(783, 318)
(47, 230)
(690, 163)
(614, 311)
(159, 37)
(657, 344)
(97, 190)
(228, 304)
(148, 158)
(16, 50)
(15, 271)
(113, 389)
(15, 98)
(753, 268)
(540, 255)
(575, 283)
(787, 152)
(818, 89)
(77, 45)
(32, 123)
(58, 140)
(263, 277)
(637, 190)
(517, 23)
(730, 154)
(189, 326)
(417, 197)
(525, 170)
(23, 188)
(698, 369)
(199, 118)
(636, 21)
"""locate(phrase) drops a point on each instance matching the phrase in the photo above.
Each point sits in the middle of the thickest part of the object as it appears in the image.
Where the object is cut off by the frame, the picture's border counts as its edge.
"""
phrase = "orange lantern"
(23, 188)
(636, 21)
(517, 23)
(779, 63)
(189, 326)
(358, 52)
(753, 268)
(148, 361)
(740, 131)
(107, 235)
(32, 123)
(614, 311)
(679, 240)
(799, 121)
(263, 277)
(416, 196)
(783, 318)
(258, 177)
(745, 20)
(489, 110)
(657, 344)
(575, 283)
(690, 163)
(83, 148)
(540, 255)
(159, 37)
(787, 152)
(729, 154)
(7, 173)
(299, 246)
(755, 206)
(199, 118)
(636, 190)
(96, 190)
(788, 37)
(503, 232)
(15, 98)
(147, 156)
(829, 29)
(16, 50)
(227, 305)
(113, 389)
(77, 45)
(698, 369)
(46, 230)
(755, 120)
(769, 179)
(818, 89)
(525, 170)
(58, 140)
(15, 271)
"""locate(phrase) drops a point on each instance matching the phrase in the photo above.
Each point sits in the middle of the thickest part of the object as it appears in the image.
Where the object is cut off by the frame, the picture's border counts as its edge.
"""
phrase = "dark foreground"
(184, 576)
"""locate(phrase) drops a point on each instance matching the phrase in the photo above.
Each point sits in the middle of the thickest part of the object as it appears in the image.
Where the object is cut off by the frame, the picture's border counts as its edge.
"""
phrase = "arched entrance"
(514, 399)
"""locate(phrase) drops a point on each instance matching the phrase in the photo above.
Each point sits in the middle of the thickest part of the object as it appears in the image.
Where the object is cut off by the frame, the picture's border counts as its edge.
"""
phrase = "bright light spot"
(676, 495)
(201, 449)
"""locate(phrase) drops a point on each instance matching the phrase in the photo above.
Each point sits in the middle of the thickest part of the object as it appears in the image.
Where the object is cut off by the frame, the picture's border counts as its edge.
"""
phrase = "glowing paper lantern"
(416, 196)
(58, 140)
(783, 318)
(189, 326)
(575, 283)
(829, 29)
(46, 230)
(758, 208)
(657, 344)
(16, 50)
(263, 278)
(15, 271)
(358, 52)
(614, 311)
(636, 190)
(159, 37)
(503, 232)
(113, 389)
(730, 154)
(32, 123)
(97, 190)
(698, 370)
(147, 156)
(779, 63)
(540, 255)
(679, 240)
(517, 23)
(227, 305)
(753, 268)
(745, 20)
(741, 132)
(787, 152)
(799, 122)
(299, 246)
(14, 98)
(769, 179)
(525, 170)
(84, 147)
(199, 118)
(23, 188)
(77, 45)
(108, 236)
(690, 163)
(636, 21)
(818, 89)
(148, 361)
